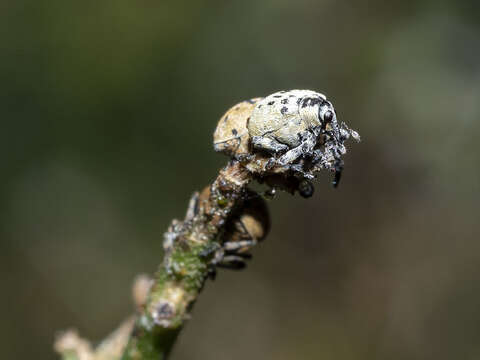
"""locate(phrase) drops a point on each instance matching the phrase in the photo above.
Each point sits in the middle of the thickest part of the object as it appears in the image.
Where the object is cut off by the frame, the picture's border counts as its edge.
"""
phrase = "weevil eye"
(328, 116)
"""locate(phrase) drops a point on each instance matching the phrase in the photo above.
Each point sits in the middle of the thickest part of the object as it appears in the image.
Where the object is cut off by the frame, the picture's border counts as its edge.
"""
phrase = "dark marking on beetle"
(234, 132)
(291, 95)
(250, 101)
(277, 96)
(312, 102)
(283, 110)
(259, 106)
(299, 100)
(284, 101)
(225, 119)
(271, 103)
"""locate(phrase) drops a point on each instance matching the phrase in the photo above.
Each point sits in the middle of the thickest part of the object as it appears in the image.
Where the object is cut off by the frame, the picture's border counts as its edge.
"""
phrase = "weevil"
(295, 132)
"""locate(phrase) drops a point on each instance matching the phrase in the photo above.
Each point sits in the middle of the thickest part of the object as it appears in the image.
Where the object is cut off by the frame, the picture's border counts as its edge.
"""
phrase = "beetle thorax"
(309, 115)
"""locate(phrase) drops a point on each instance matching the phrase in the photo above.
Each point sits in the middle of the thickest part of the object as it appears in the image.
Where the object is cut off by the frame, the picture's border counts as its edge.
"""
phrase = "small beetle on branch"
(295, 133)
(281, 141)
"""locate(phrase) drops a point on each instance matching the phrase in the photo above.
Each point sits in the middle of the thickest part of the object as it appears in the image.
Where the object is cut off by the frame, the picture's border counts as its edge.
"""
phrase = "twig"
(190, 247)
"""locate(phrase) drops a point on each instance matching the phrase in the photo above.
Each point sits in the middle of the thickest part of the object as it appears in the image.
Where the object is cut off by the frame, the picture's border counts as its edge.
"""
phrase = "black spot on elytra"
(291, 95)
(226, 118)
(312, 102)
(271, 103)
(284, 101)
(259, 106)
(234, 132)
(277, 96)
(283, 110)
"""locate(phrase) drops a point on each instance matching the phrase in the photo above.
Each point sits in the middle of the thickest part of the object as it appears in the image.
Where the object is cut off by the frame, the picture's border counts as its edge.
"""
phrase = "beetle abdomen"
(231, 135)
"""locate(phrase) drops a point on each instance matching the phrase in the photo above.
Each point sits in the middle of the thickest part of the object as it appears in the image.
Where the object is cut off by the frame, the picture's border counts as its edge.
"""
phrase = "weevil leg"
(237, 246)
(211, 250)
(298, 168)
(290, 156)
(338, 174)
(233, 262)
(309, 140)
(243, 255)
(323, 158)
(268, 144)
(317, 155)
(192, 209)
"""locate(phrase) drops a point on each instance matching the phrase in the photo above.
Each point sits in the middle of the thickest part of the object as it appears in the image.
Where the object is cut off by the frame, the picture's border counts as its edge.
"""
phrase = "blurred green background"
(108, 110)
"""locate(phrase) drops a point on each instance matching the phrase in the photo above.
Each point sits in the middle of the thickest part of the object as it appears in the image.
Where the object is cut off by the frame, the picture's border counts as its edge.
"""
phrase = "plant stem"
(189, 247)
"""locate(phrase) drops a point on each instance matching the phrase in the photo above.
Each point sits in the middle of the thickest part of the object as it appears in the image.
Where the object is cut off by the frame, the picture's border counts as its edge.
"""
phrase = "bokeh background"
(107, 111)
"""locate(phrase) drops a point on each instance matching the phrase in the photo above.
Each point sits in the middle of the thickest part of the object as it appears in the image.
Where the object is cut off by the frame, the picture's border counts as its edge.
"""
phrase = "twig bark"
(190, 246)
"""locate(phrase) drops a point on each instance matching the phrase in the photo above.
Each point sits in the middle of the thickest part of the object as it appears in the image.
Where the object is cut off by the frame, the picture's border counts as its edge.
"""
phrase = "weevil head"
(331, 128)
(327, 117)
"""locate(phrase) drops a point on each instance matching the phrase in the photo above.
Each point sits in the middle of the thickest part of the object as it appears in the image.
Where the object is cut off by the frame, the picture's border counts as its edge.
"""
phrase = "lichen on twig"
(227, 218)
